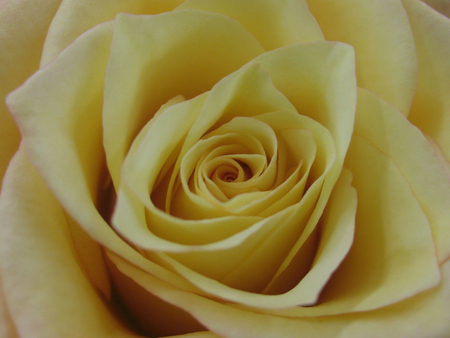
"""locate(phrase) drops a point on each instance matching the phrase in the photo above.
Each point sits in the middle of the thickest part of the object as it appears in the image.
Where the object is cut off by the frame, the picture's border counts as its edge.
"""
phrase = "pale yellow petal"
(7, 327)
(416, 160)
(319, 80)
(22, 33)
(43, 284)
(183, 52)
(43, 108)
(274, 23)
(75, 17)
(430, 110)
(393, 255)
(379, 31)
(52, 117)
(337, 230)
(312, 77)
(424, 315)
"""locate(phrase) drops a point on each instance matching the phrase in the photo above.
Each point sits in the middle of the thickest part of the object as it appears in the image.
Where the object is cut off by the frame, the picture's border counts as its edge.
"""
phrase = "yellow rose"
(225, 168)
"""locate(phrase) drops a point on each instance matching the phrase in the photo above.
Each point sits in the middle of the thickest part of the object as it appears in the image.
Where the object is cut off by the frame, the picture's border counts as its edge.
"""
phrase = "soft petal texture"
(430, 110)
(74, 17)
(275, 23)
(319, 80)
(380, 33)
(22, 32)
(71, 162)
(424, 315)
(76, 105)
(247, 92)
(418, 163)
(7, 327)
(328, 95)
(44, 287)
(178, 53)
(393, 255)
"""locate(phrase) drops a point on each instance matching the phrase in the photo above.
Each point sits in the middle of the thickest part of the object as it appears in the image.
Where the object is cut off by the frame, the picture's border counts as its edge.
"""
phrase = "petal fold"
(74, 18)
(44, 286)
(274, 23)
(430, 110)
(178, 53)
(22, 33)
(379, 31)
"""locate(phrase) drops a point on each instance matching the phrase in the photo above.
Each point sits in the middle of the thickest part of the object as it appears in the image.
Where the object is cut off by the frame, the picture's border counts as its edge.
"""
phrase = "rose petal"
(421, 168)
(379, 31)
(426, 314)
(183, 52)
(51, 117)
(337, 230)
(73, 18)
(45, 289)
(393, 255)
(430, 110)
(274, 23)
(7, 327)
(319, 80)
(22, 33)
(324, 90)
(43, 108)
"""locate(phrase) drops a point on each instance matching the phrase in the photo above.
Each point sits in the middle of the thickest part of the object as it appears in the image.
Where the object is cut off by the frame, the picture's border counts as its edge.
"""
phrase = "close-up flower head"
(225, 168)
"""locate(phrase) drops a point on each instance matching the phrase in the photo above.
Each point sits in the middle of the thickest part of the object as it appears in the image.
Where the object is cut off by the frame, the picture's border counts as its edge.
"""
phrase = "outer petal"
(275, 23)
(178, 53)
(424, 315)
(43, 108)
(380, 33)
(75, 17)
(430, 110)
(62, 132)
(45, 290)
(22, 33)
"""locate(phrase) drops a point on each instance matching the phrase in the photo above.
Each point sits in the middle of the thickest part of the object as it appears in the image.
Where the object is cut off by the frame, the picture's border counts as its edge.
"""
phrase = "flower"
(227, 168)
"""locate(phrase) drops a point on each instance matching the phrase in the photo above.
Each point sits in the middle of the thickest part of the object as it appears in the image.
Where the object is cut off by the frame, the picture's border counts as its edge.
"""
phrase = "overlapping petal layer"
(431, 105)
(22, 35)
(247, 188)
(158, 49)
(274, 23)
(379, 31)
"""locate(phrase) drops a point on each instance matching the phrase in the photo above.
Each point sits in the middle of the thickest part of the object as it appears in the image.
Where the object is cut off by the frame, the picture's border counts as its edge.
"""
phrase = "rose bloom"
(225, 168)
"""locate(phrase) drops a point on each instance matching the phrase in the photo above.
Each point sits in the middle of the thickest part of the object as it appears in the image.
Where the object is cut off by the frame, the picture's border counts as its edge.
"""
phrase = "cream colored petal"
(416, 160)
(74, 17)
(44, 287)
(393, 255)
(247, 92)
(424, 315)
(7, 327)
(430, 110)
(337, 229)
(59, 123)
(52, 117)
(274, 23)
(22, 33)
(319, 80)
(183, 52)
(379, 31)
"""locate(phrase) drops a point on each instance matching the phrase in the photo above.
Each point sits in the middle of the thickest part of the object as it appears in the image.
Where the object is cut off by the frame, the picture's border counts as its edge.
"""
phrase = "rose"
(398, 281)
